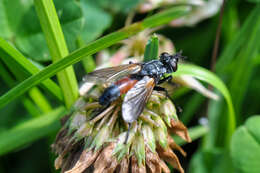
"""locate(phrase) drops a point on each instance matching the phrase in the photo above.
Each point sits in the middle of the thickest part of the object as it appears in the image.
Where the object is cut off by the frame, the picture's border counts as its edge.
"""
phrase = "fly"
(136, 81)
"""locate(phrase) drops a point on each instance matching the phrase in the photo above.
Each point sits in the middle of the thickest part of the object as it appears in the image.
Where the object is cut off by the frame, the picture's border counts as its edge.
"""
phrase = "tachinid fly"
(136, 81)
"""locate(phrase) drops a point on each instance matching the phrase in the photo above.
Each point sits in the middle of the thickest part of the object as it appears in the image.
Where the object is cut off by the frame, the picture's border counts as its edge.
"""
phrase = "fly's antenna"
(179, 56)
(128, 131)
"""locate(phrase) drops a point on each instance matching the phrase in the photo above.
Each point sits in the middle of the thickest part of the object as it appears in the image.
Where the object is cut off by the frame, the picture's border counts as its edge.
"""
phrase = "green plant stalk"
(39, 100)
(14, 60)
(57, 46)
(91, 48)
(194, 132)
(30, 107)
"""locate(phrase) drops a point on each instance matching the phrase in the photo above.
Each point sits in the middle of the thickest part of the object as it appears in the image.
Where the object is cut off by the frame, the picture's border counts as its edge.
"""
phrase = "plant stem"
(57, 46)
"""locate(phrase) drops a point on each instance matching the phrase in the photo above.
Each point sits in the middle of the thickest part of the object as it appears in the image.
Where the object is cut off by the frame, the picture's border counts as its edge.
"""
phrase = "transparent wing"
(111, 74)
(136, 98)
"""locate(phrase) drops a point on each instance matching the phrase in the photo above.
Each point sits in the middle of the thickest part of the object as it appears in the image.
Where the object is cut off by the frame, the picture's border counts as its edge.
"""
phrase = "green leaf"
(30, 131)
(23, 28)
(96, 21)
(57, 47)
(21, 65)
(212, 79)
(245, 146)
(151, 49)
(213, 160)
(118, 6)
(104, 42)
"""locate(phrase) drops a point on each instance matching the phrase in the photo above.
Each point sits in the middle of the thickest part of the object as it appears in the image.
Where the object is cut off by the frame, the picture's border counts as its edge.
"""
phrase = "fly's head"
(171, 61)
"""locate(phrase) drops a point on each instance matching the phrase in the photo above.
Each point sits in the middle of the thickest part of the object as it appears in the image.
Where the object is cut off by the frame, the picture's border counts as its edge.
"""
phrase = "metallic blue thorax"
(155, 69)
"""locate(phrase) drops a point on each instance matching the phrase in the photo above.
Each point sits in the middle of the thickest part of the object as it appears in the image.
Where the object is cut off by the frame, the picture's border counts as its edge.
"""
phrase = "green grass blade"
(27, 103)
(209, 77)
(229, 53)
(58, 49)
(16, 61)
(30, 131)
(92, 48)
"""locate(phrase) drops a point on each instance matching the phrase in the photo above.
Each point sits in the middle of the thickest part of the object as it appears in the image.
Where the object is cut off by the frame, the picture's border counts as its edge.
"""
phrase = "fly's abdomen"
(125, 84)
(110, 94)
(114, 91)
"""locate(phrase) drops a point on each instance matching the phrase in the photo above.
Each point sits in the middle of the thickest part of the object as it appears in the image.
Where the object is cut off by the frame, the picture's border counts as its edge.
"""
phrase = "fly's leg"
(158, 88)
(128, 131)
(165, 79)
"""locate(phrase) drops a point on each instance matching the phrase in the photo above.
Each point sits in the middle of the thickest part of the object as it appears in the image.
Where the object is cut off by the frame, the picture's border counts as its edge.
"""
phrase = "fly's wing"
(136, 98)
(111, 74)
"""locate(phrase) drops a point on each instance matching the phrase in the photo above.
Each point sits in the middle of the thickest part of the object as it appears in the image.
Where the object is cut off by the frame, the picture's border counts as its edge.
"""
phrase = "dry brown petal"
(124, 166)
(85, 160)
(169, 156)
(135, 168)
(72, 158)
(152, 161)
(58, 162)
(163, 166)
(61, 141)
(175, 146)
(106, 161)
(180, 129)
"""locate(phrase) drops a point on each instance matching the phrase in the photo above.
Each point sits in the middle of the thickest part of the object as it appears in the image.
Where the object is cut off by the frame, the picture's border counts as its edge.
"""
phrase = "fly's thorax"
(154, 69)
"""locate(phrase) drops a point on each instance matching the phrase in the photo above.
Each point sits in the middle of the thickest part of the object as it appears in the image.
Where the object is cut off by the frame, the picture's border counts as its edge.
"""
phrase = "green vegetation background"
(28, 123)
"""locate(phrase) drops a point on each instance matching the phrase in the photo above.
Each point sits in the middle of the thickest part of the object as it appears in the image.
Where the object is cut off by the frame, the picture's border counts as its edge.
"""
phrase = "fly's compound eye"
(174, 66)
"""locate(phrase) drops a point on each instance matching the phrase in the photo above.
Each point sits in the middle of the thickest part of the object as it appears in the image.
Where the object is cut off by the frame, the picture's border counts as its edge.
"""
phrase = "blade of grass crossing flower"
(23, 134)
(212, 79)
(15, 61)
(58, 49)
(151, 49)
(92, 48)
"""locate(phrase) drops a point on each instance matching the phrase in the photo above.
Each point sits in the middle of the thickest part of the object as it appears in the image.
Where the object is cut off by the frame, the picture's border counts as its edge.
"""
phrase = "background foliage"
(29, 114)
